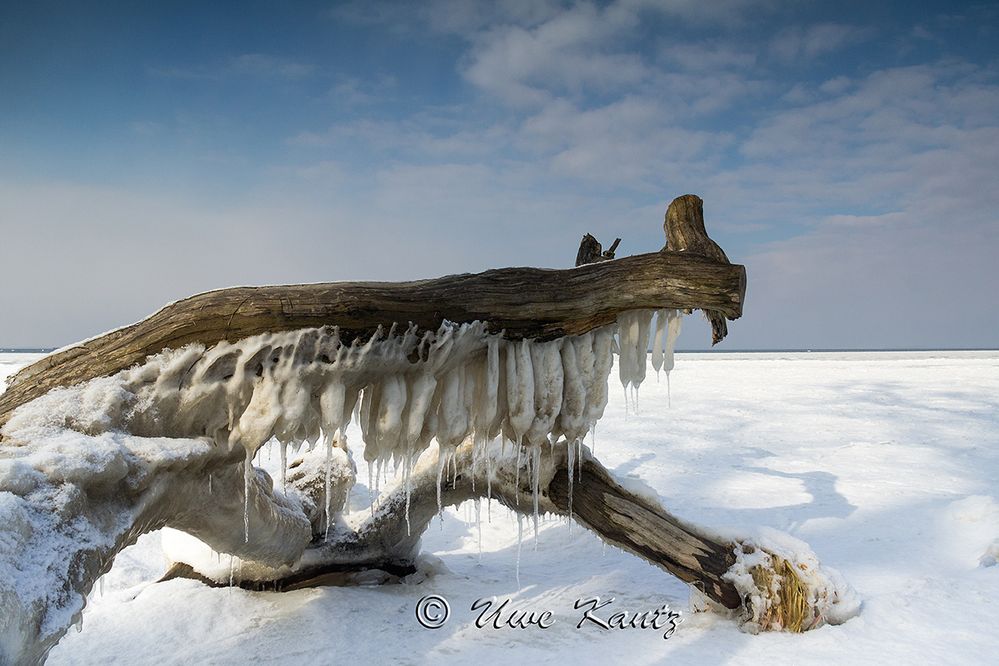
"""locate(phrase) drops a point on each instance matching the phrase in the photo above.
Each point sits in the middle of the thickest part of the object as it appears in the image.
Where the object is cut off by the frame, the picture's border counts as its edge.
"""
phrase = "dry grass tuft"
(788, 608)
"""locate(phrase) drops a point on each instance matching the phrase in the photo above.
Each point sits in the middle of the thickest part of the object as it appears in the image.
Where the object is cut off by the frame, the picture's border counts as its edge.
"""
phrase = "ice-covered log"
(128, 431)
(521, 303)
(70, 502)
(766, 582)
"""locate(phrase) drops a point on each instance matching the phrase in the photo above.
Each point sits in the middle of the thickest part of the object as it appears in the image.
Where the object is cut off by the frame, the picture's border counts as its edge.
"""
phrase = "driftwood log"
(622, 518)
(692, 272)
(521, 302)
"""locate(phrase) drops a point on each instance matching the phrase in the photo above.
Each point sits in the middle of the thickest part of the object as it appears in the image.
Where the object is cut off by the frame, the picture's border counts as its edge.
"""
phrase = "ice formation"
(405, 387)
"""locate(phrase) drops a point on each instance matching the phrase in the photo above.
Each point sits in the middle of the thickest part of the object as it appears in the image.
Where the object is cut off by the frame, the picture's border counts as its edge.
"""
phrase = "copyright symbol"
(432, 611)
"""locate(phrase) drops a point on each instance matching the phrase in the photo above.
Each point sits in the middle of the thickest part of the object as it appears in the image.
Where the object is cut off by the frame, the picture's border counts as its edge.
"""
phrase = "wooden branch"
(646, 529)
(521, 302)
(590, 251)
(390, 539)
(684, 227)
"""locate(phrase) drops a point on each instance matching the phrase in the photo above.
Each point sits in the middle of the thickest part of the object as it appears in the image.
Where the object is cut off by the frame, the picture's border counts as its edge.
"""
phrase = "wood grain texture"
(520, 302)
(685, 232)
(648, 530)
(620, 517)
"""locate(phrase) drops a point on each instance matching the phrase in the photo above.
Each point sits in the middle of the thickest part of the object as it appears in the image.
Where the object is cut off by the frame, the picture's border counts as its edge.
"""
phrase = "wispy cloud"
(858, 185)
(798, 43)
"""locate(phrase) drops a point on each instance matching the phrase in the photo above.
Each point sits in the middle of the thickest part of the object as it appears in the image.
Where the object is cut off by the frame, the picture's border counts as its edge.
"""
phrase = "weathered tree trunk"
(202, 490)
(684, 227)
(636, 524)
(629, 521)
(521, 302)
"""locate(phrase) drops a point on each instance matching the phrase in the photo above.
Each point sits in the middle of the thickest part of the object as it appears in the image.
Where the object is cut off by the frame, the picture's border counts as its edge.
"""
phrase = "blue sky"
(848, 153)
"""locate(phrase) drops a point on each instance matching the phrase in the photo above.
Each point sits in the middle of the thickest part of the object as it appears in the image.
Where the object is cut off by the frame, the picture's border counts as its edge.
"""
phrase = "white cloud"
(806, 42)
(835, 85)
(572, 53)
(707, 56)
(884, 180)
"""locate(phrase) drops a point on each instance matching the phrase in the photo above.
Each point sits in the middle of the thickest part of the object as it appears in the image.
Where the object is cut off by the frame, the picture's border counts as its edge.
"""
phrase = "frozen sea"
(885, 463)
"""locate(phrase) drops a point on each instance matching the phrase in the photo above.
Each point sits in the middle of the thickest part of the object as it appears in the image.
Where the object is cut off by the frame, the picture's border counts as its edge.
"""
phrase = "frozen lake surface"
(885, 463)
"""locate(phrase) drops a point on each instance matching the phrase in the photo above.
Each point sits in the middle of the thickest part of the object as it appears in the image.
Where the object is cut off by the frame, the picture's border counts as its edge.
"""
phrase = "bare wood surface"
(591, 251)
(521, 302)
(647, 530)
(685, 232)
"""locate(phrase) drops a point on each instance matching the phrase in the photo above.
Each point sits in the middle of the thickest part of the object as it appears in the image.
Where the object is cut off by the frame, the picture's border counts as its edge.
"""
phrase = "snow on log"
(766, 581)
(521, 303)
(156, 425)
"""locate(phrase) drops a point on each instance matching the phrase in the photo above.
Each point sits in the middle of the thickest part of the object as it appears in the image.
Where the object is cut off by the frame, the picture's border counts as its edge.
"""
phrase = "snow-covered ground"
(886, 463)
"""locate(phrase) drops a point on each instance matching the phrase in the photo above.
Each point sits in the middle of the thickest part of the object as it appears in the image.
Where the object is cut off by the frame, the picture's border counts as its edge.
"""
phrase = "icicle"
(603, 359)
(329, 478)
(628, 336)
(454, 423)
(371, 482)
(516, 481)
(535, 488)
(421, 395)
(247, 472)
(476, 448)
(478, 522)
(284, 467)
(232, 570)
(407, 471)
(546, 363)
(672, 333)
(644, 318)
(520, 389)
(572, 416)
(489, 488)
(569, 465)
(441, 460)
(391, 408)
(209, 484)
(658, 341)
(520, 543)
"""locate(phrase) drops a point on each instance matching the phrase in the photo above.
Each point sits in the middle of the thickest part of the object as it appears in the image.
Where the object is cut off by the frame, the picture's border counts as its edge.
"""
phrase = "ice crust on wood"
(303, 386)
(202, 414)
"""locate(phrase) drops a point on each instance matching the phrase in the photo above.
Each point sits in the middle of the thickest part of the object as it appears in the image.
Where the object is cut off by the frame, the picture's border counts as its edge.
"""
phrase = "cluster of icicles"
(456, 384)
(404, 389)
